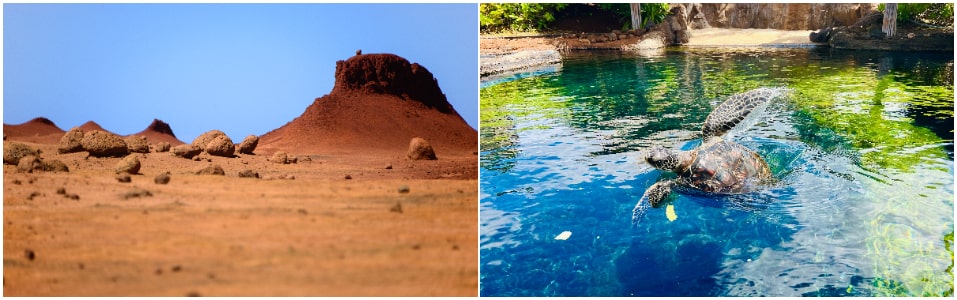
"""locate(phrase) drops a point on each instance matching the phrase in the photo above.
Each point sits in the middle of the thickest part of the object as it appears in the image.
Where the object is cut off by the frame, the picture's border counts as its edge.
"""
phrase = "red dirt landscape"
(352, 216)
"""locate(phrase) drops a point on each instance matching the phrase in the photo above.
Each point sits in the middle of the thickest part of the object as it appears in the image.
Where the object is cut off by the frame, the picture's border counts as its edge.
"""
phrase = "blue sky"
(240, 68)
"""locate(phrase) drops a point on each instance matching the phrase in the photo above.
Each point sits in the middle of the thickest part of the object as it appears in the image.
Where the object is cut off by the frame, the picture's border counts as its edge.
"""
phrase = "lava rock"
(248, 174)
(124, 177)
(129, 164)
(29, 163)
(279, 157)
(419, 149)
(54, 165)
(186, 151)
(70, 142)
(104, 144)
(248, 145)
(211, 170)
(161, 147)
(162, 178)
(220, 145)
(13, 152)
(137, 144)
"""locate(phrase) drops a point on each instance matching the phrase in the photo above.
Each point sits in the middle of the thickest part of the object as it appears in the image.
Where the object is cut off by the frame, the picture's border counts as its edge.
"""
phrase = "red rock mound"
(379, 102)
(159, 131)
(39, 130)
(90, 125)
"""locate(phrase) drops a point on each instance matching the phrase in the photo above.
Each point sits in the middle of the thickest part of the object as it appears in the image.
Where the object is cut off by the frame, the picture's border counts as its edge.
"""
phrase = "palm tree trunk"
(890, 20)
(635, 15)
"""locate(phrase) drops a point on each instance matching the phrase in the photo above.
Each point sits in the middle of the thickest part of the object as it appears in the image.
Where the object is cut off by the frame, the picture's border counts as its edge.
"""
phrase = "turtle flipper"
(736, 109)
(653, 197)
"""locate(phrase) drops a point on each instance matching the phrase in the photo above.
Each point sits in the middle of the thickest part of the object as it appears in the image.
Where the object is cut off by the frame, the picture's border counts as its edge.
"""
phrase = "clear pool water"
(862, 151)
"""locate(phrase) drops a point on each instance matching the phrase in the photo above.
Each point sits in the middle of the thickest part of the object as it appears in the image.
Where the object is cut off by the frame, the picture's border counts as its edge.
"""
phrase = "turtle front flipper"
(736, 109)
(653, 197)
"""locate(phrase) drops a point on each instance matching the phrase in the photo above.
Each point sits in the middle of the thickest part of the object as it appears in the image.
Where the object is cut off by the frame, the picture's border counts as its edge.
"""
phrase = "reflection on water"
(862, 153)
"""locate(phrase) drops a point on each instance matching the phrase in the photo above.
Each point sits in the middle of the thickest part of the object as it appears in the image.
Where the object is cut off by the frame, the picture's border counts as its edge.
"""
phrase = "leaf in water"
(670, 213)
(564, 235)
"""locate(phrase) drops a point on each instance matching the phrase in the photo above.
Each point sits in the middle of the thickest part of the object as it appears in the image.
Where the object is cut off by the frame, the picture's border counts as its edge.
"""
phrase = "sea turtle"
(718, 166)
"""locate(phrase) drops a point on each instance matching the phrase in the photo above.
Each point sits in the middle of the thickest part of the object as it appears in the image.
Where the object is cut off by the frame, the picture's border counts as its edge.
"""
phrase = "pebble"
(162, 178)
(123, 177)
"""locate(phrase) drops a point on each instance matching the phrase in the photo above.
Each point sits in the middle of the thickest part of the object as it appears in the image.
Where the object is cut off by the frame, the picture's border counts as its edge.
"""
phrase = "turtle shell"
(724, 167)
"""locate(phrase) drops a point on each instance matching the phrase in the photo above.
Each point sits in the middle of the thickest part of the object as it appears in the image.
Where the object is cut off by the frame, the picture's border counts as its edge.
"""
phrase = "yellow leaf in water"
(564, 235)
(670, 213)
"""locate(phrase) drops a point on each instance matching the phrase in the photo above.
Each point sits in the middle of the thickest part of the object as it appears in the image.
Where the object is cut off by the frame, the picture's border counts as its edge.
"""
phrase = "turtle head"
(663, 159)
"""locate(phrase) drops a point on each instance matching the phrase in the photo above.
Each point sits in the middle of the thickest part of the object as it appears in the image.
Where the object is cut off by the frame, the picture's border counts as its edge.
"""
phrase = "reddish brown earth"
(90, 125)
(341, 223)
(159, 131)
(38, 130)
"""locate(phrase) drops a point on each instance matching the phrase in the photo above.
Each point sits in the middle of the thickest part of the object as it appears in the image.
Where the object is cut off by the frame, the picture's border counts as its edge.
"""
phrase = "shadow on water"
(862, 153)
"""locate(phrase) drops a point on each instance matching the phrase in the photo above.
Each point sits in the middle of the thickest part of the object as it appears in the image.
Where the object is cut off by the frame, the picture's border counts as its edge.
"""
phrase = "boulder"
(161, 147)
(248, 145)
(279, 157)
(185, 150)
(55, 165)
(70, 142)
(220, 145)
(29, 163)
(137, 144)
(13, 152)
(419, 149)
(104, 144)
(211, 170)
(129, 164)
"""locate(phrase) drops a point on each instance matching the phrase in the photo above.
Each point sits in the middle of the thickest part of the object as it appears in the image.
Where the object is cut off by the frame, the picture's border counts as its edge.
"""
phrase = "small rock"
(17, 182)
(348, 176)
(137, 193)
(54, 165)
(70, 142)
(123, 177)
(129, 164)
(211, 170)
(193, 294)
(73, 197)
(248, 174)
(176, 268)
(292, 160)
(305, 158)
(137, 144)
(396, 208)
(61, 191)
(388, 167)
(196, 158)
(404, 189)
(30, 254)
(33, 195)
(419, 149)
(162, 178)
(303, 211)
(185, 151)
(248, 145)
(279, 157)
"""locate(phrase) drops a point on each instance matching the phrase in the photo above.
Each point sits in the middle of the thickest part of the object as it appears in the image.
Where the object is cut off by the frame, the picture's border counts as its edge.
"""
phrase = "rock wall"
(786, 16)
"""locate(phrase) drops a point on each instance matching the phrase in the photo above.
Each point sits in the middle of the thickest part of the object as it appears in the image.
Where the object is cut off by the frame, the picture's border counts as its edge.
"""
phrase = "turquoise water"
(862, 154)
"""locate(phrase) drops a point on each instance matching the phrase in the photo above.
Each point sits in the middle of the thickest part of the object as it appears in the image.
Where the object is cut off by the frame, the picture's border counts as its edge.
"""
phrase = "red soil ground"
(392, 227)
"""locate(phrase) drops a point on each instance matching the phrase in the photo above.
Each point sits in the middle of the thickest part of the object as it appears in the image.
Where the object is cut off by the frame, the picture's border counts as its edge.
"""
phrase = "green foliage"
(933, 13)
(517, 16)
(651, 13)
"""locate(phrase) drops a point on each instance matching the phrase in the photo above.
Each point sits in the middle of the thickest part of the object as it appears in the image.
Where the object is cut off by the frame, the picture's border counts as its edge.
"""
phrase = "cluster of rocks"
(105, 144)
(867, 34)
(614, 35)
(27, 159)
(215, 143)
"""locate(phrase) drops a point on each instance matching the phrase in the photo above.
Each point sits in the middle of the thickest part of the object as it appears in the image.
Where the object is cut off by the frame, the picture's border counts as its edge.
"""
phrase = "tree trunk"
(635, 15)
(890, 20)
